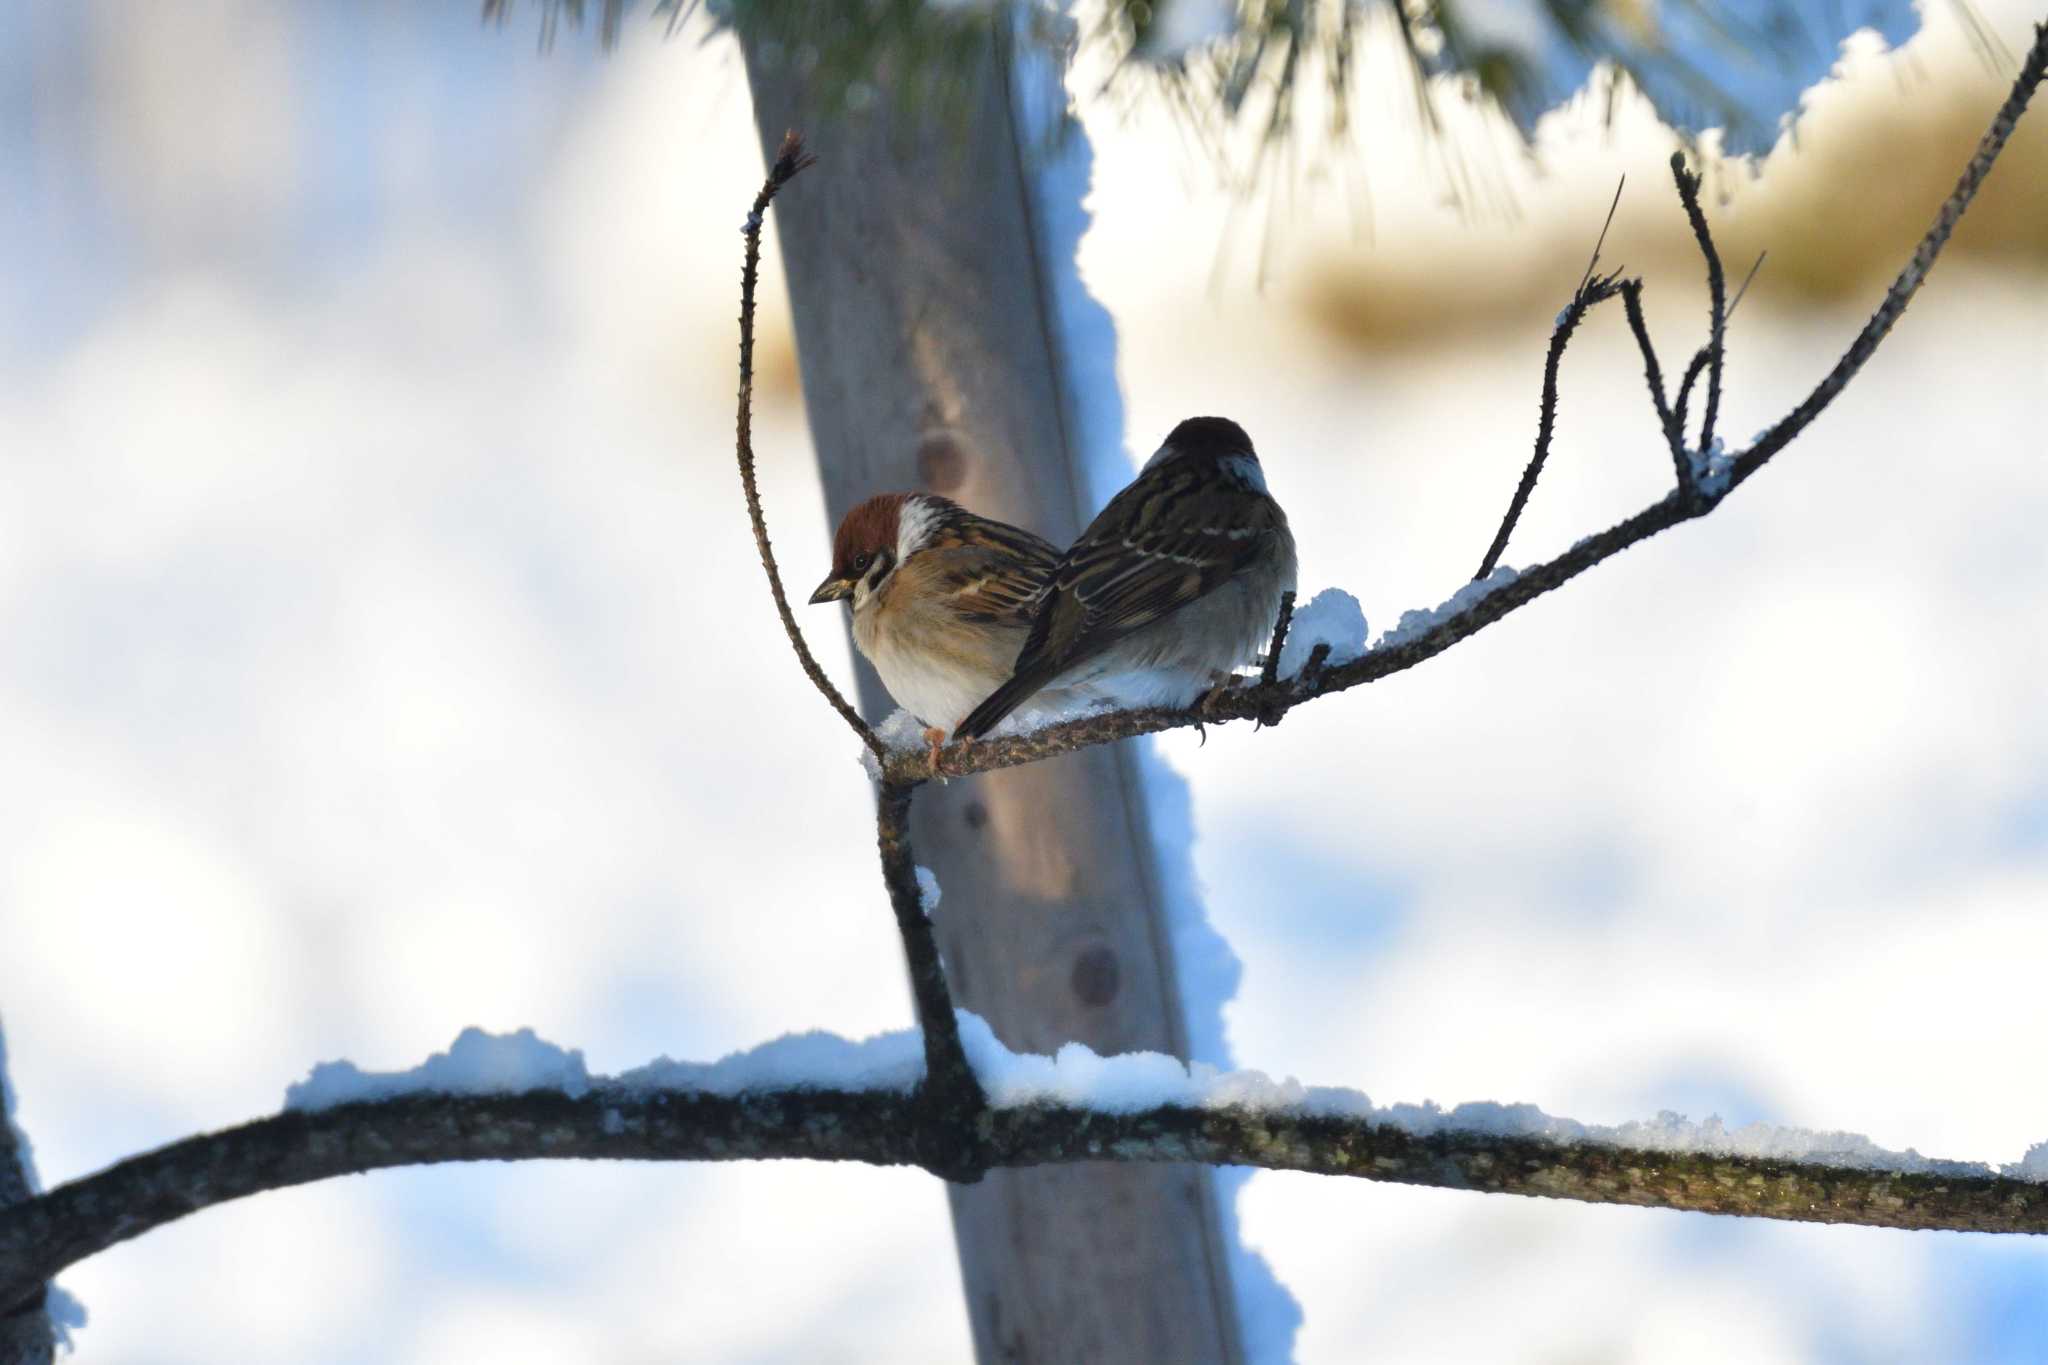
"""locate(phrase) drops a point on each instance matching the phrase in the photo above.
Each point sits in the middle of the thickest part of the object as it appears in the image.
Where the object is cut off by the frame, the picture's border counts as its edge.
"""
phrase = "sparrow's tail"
(1002, 702)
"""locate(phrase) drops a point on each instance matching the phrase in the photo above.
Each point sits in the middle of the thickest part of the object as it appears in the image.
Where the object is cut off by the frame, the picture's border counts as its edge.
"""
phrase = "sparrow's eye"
(860, 561)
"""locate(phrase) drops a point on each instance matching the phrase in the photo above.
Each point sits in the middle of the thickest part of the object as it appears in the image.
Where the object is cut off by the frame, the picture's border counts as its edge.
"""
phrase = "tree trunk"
(931, 361)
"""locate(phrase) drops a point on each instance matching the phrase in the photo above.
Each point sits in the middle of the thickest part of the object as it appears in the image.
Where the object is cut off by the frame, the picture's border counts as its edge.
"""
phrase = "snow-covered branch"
(1705, 476)
(822, 1098)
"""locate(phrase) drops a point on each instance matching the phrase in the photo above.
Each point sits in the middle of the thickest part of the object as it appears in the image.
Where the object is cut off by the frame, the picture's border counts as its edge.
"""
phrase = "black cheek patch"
(884, 562)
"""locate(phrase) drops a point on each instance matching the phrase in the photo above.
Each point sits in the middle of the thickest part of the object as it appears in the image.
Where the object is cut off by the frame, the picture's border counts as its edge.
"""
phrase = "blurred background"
(381, 652)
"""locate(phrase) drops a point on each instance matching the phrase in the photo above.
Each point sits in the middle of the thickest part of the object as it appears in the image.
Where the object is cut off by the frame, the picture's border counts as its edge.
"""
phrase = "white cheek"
(913, 527)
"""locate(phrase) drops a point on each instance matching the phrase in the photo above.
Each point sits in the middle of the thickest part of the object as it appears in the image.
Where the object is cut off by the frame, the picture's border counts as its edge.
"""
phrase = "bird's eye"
(860, 561)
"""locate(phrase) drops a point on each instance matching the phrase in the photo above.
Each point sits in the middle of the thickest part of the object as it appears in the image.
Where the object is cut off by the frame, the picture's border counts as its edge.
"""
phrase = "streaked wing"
(1162, 542)
(992, 572)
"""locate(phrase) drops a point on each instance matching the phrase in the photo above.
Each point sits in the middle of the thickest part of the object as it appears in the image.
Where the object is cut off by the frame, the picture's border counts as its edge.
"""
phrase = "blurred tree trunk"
(930, 361)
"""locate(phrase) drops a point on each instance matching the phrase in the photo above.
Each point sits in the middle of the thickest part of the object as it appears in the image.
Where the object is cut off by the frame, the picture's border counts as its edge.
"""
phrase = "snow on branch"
(822, 1098)
(1705, 474)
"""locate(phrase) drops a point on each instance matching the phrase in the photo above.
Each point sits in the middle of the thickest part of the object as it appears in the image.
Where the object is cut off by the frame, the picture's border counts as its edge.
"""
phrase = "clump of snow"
(1332, 617)
(795, 1061)
(477, 1063)
(1414, 623)
(67, 1314)
(928, 892)
(900, 733)
(1711, 468)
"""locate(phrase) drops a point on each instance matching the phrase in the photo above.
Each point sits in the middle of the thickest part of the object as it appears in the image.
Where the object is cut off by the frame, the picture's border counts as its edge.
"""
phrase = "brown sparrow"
(942, 599)
(1173, 586)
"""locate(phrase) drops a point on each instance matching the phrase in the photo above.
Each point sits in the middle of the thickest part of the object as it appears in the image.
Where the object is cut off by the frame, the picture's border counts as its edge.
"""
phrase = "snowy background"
(381, 653)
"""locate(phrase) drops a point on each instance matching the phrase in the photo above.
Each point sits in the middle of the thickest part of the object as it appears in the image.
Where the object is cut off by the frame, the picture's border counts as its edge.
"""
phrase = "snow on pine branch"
(1076, 1076)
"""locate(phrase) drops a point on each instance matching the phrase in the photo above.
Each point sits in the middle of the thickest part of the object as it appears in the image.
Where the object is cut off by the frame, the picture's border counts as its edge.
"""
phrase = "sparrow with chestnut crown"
(1173, 586)
(942, 599)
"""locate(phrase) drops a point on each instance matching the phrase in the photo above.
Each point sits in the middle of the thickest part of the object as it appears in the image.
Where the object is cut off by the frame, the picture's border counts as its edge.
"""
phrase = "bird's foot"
(935, 740)
(1214, 704)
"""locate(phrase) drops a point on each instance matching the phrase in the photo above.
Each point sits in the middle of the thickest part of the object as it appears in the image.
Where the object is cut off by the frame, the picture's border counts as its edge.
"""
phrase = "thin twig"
(1693, 370)
(1270, 672)
(1699, 358)
(789, 162)
(1717, 295)
(950, 1092)
(1653, 373)
(1590, 291)
(1601, 240)
(40, 1238)
(1912, 276)
(1747, 281)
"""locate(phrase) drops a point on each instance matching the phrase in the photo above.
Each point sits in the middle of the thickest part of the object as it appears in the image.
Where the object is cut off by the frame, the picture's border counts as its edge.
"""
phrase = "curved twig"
(789, 162)
(886, 1127)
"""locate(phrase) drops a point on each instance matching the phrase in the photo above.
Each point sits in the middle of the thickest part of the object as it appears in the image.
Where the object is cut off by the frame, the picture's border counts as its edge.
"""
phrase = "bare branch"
(1912, 276)
(789, 162)
(951, 1095)
(1717, 297)
(1592, 290)
(66, 1225)
(1653, 373)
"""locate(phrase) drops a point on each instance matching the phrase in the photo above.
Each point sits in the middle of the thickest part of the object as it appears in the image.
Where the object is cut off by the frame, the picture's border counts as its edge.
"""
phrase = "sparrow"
(1173, 586)
(942, 600)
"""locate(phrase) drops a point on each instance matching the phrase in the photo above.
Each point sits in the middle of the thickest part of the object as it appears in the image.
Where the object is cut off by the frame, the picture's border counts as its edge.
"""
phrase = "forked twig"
(789, 162)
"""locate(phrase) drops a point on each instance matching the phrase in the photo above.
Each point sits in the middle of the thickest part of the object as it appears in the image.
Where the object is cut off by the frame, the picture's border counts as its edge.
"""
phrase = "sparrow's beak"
(832, 590)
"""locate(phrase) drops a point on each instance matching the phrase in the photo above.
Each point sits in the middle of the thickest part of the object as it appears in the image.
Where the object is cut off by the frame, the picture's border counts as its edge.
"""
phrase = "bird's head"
(1206, 438)
(873, 539)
